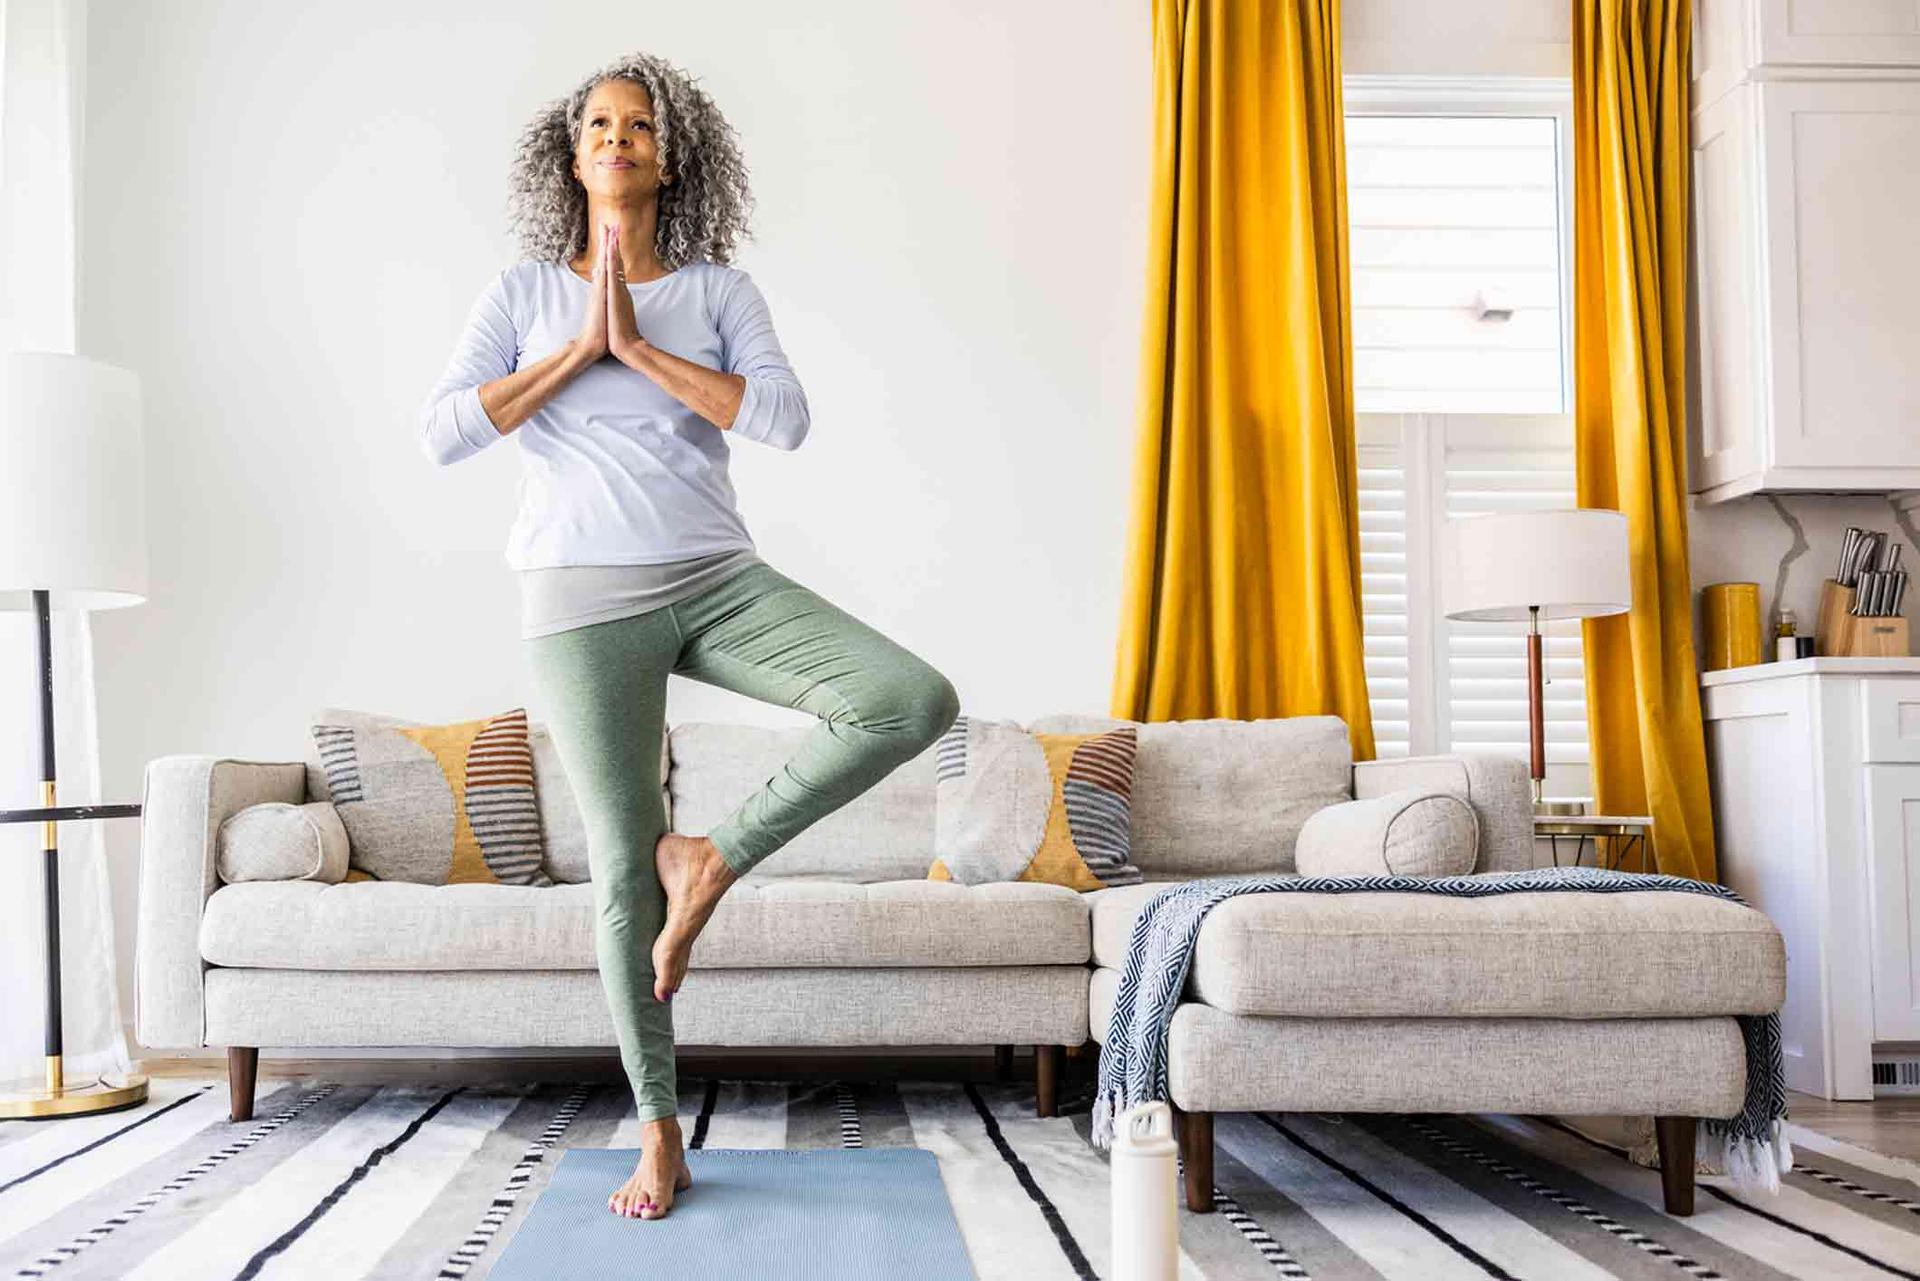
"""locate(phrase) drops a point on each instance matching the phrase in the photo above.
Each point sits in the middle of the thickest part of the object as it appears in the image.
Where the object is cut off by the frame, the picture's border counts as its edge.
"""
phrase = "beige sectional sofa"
(1558, 1003)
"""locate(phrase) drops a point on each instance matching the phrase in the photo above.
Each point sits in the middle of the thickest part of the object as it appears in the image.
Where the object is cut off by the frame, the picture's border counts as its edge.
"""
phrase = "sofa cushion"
(883, 834)
(563, 829)
(1222, 796)
(1496, 785)
(1553, 954)
(761, 921)
(1411, 832)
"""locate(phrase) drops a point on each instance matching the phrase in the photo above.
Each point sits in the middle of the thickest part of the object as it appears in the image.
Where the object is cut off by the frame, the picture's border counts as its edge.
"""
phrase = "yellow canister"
(1732, 622)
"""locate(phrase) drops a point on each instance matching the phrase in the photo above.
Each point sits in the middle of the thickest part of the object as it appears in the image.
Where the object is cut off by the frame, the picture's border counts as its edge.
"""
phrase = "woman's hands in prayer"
(592, 342)
(623, 332)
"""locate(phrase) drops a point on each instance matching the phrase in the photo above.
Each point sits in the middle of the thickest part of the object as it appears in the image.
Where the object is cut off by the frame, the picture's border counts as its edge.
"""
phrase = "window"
(1459, 239)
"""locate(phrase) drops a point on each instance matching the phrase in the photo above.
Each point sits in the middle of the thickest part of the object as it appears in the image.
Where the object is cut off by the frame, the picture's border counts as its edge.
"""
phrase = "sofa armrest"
(1498, 787)
(183, 801)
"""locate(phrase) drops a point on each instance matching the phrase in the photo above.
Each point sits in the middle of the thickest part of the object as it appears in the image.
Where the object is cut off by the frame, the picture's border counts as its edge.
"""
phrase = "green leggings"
(756, 632)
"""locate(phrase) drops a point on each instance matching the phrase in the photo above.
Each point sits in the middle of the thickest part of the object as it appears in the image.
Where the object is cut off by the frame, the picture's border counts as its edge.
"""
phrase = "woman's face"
(616, 158)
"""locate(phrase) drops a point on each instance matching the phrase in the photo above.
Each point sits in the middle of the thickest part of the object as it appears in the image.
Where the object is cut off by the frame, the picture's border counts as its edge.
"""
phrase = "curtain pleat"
(1631, 151)
(1242, 575)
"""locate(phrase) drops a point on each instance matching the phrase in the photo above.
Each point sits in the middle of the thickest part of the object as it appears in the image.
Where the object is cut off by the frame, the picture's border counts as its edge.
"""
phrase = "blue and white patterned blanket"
(1752, 1146)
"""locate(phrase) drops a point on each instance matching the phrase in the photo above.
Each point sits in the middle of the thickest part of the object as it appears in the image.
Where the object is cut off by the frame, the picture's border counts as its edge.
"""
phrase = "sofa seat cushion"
(393, 925)
(1551, 954)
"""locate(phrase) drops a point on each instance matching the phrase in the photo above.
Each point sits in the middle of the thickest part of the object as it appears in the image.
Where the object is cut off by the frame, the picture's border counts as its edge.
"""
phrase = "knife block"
(1840, 634)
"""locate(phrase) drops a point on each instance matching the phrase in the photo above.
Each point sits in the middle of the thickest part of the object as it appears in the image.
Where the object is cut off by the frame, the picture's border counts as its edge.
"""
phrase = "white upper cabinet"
(1732, 38)
(1806, 170)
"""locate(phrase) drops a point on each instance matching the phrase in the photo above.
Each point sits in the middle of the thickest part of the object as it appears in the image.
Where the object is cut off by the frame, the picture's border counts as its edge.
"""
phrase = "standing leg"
(605, 690)
(761, 634)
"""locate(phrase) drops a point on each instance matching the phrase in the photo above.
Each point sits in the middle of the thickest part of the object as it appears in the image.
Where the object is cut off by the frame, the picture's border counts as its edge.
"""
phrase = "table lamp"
(73, 502)
(1533, 565)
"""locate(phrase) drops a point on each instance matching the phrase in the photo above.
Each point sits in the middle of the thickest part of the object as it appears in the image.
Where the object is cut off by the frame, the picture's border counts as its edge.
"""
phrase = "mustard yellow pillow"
(1012, 805)
(435, 804)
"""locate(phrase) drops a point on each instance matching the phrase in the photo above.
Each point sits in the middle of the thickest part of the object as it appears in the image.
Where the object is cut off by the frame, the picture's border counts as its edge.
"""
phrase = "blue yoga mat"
(800, 1214)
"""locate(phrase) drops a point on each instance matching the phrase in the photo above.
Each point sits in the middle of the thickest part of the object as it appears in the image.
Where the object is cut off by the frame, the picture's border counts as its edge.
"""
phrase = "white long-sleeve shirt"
(614, 471)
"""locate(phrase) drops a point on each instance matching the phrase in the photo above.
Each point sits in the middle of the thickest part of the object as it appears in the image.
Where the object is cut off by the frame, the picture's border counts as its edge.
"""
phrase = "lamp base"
(1565, 807)
(59, 1098)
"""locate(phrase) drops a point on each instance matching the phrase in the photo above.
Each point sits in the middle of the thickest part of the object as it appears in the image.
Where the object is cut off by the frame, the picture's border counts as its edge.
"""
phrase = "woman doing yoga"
(622, 354)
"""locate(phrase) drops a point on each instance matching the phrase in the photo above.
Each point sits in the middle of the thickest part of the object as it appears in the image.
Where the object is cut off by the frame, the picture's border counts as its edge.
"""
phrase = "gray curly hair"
(702, 212)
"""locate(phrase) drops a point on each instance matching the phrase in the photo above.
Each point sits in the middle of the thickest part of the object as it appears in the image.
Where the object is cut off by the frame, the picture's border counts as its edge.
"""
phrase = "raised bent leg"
(761, 634)
(1675, 1135)
(243, 1065)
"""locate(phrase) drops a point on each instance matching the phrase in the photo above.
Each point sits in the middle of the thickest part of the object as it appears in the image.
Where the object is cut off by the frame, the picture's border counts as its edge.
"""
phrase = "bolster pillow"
(281, 841)
(1411, 832)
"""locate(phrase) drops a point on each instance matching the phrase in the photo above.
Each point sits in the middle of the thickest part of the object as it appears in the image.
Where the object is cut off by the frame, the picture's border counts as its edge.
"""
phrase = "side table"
(1624, 834)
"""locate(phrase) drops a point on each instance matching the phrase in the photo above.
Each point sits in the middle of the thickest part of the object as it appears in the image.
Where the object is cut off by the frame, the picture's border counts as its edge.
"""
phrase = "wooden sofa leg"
(1194, 1132)
(243, 1063)
(1675, 1135)
(1046, 1079)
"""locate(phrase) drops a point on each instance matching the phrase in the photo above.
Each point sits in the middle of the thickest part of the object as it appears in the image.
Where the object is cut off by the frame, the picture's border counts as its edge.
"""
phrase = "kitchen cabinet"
(1806, 166)
(1815, 775)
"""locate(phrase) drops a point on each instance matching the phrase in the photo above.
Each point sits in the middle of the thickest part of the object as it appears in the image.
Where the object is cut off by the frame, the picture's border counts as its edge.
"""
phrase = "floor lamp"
(72, 536)
(1534, 565)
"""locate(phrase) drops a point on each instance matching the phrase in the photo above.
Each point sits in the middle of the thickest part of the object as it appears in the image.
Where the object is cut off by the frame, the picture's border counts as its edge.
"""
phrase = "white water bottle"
(1146, 1231)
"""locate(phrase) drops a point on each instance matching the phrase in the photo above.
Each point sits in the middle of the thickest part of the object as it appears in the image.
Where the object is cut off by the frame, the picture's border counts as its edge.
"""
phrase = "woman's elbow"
(791, 433)
(773, 412)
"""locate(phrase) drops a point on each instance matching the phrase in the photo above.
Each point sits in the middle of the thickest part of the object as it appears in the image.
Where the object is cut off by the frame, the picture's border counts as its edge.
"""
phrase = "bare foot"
(694, 876)
(648, 1193)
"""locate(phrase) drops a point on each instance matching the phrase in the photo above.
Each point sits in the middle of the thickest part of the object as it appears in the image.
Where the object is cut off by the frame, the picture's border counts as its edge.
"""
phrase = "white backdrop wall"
(288, 210)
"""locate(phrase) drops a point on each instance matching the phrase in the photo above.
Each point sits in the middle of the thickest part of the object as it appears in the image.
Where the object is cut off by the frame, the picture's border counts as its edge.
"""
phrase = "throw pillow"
(436, 804)
(563, 830)
(1010, 805)
(1410, 832)
(281, 841)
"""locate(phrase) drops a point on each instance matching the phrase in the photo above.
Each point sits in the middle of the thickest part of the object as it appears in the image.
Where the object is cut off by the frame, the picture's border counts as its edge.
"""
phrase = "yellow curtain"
(1631, 79)
(1242, 578)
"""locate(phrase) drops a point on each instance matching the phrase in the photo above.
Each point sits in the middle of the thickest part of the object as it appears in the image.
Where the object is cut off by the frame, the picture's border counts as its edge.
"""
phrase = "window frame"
(1420, 438)
(1409, 95)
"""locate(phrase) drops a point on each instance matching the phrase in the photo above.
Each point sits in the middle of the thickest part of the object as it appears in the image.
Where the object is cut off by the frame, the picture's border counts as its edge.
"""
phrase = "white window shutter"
(1383, 588)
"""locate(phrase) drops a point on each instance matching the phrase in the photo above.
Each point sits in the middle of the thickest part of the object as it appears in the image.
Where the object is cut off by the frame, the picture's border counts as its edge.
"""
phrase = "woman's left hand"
(623, 332)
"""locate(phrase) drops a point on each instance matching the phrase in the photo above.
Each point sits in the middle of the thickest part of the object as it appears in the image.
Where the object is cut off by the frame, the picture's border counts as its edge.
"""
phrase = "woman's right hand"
(591, 344)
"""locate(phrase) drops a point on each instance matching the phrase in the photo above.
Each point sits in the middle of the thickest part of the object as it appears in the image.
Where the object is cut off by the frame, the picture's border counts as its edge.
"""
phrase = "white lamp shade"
(1569, 562)
(73, 483)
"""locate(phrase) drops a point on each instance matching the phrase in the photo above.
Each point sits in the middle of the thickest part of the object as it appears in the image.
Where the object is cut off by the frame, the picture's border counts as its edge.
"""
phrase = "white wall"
(287, 215)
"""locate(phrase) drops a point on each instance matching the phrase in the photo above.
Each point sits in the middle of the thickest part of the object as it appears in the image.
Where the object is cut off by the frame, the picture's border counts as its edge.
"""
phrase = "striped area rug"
(349, 1181)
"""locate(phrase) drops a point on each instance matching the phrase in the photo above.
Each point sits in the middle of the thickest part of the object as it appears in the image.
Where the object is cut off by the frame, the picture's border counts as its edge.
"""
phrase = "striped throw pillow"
(436, 804)
(1013, 805)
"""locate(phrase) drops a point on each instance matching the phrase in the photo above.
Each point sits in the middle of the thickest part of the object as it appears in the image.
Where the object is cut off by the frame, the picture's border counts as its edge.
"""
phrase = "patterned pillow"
(436, 804)
(1011, 805)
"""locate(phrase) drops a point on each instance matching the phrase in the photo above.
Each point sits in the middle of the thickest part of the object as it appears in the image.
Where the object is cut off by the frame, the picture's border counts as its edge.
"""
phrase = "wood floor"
(1890, 1125)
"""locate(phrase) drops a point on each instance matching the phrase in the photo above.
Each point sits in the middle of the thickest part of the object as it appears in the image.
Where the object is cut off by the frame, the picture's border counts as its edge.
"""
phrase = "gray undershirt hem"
(559, 598)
